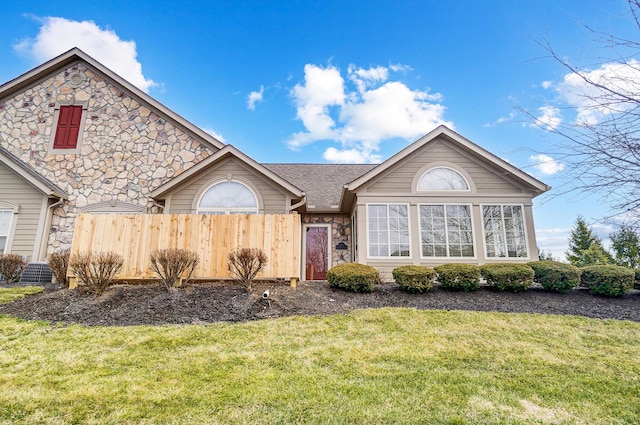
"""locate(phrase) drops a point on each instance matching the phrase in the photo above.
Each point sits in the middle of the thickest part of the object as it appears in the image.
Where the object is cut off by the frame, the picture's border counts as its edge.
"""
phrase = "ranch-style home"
(75, 137)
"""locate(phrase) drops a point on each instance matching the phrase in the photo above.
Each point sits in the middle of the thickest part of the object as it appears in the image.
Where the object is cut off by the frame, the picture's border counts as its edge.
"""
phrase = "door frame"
(304, 246)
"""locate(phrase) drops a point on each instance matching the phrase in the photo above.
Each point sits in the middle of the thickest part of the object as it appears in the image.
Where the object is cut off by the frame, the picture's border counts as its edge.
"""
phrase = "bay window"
(388, 230)
(446, 231)
(504, 231)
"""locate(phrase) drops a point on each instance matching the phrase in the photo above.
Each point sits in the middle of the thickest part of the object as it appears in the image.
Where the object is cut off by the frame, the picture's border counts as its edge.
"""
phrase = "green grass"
(10, 294)
(369, 367)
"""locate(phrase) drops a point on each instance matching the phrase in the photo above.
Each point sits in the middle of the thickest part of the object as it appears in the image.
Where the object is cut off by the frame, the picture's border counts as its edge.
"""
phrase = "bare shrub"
(171, 264)
(11, 267)
(59, 263)
(245, 264)
(96, 270)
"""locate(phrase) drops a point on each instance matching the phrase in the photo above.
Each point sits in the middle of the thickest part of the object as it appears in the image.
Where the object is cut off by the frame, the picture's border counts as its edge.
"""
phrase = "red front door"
(317, 252)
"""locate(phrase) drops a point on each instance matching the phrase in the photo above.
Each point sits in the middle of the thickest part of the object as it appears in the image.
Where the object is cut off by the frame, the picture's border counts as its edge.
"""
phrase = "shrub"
(96, 270)
(508, 277)
(170, 264)
(353, 277)
(414, 278)
(245, 264)
(610, 281)
(11, 267)
(556, 276)
(459, 277)
(59, 263)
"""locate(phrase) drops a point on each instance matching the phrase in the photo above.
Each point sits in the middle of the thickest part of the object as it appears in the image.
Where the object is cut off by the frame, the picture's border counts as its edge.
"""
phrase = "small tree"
(585, 248)
(11, 267)
(545, 255)
(59, 263)
(171, 264)
(625, 244)
(245, 264)
(96, 270)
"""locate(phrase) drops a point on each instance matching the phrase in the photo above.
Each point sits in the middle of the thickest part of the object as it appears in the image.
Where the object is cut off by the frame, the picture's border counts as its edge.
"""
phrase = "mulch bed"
(151, 304)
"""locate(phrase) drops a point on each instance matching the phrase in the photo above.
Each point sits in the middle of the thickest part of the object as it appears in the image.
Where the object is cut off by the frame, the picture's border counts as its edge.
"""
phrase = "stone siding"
(127, 149)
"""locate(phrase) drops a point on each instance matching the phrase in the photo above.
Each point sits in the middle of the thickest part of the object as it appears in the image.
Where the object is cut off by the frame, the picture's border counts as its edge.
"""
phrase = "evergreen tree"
(625, 244)
(585, 248)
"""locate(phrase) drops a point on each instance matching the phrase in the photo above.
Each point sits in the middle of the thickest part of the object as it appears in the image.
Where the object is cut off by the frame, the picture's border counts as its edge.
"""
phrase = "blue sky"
(343, 81)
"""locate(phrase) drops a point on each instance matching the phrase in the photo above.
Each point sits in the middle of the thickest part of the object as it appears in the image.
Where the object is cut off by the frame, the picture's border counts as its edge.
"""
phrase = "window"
(446, 231)
(504, 231)
(442, 178)
(68, 127)
(5, 227)
(228, 197)
(388, 230)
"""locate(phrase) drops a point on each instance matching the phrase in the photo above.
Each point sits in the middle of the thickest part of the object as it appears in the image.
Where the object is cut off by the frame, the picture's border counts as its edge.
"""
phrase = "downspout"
(298, 205)
(47, 227)
(155, 204)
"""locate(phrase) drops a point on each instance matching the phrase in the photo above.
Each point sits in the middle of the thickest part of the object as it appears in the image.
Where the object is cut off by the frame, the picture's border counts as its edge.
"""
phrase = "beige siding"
(400, 177)
(273, 201)
(15, 190)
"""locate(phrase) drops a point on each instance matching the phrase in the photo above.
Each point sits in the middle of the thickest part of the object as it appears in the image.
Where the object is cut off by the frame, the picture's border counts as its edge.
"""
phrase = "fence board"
(213, 237)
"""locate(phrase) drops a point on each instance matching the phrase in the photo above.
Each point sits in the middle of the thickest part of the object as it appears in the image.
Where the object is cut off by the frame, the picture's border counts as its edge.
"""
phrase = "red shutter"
(68, 129)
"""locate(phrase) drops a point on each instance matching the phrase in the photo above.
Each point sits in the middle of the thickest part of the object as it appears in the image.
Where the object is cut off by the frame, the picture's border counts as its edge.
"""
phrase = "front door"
(316, 244)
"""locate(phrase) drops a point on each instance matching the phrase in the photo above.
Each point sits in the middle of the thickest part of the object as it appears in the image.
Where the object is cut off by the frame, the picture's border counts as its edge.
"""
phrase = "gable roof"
(535, 185)
(76, 55)
(30, 175)
(226, 152)
(322, 183)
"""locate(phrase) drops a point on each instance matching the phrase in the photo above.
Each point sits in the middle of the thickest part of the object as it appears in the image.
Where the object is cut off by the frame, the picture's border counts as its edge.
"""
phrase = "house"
(76, 137)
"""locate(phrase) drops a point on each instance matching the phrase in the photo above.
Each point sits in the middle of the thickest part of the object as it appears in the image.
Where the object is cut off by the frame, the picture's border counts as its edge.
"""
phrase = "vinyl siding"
(15, 190)
(400, 177)
(182, 199)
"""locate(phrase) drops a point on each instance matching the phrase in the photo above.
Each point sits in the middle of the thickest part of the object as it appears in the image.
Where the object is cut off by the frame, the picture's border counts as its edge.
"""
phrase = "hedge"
(508, 277)
(353, 277)
(556, 276)
(458, 277)
(610, 281)
(414, 278)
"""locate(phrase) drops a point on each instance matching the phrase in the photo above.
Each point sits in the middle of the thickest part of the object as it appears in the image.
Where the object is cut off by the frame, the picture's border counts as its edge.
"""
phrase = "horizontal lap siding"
(400, 178)
(14, 189)
(274, 201)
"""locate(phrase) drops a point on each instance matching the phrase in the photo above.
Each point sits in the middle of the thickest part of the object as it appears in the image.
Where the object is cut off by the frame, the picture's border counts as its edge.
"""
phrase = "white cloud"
(582, 91)
(549, 118)
(215, 134)
(57, 35)
(360, 119)
(254, 97)
(547, 84)
(545, 164)
(398, 67)
(501, 120)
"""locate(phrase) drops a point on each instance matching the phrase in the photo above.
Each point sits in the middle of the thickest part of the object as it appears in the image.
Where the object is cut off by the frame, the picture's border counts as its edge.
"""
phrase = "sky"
(349, 81)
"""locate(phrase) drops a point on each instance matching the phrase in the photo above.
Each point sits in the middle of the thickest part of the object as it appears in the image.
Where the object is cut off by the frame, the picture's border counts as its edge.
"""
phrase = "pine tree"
(585, 248)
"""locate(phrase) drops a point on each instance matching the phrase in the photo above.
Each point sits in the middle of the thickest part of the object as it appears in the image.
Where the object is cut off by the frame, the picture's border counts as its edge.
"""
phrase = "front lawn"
(389, 365)
(14, 293)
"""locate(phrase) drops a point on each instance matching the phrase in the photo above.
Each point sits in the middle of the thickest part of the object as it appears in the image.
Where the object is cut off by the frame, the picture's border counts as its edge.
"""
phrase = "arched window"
(228, 197)
(442, 178)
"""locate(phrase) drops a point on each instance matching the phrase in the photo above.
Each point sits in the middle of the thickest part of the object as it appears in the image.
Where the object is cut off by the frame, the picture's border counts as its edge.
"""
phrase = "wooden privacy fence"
(213, 237)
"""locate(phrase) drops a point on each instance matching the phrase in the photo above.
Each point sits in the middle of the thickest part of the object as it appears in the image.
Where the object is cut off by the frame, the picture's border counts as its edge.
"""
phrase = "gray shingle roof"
(322, 183)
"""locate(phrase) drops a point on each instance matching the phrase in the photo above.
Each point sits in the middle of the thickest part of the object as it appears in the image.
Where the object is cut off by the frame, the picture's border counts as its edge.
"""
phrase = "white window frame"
(388, 257)
(10, 229)
(466, 181)
(446, 230)
(227, 210)
(54, 128)
(504, 232)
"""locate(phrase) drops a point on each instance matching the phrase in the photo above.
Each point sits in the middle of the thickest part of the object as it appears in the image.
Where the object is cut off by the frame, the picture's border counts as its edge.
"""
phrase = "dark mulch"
(222, 301)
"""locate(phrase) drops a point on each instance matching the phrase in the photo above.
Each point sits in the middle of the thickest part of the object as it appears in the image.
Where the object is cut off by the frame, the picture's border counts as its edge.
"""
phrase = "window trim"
(473, 231)
(447, 167)
(389, 257)
(227, 210)
(13, 209)
(504, 235)
(54, 128)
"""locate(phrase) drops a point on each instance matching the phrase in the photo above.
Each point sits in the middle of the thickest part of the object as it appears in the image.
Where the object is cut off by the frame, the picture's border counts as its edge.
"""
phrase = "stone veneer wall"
(340, 232)
(127, 150)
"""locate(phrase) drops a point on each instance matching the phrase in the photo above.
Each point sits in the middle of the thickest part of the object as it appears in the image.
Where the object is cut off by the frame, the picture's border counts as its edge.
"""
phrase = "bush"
(59, 263)
(610, 281)
(459, 277)
(508, 277)
(353, 277)
(11, 267)
(245, 264)
(170, 264)
(414, 278)
(96, 270)
(556, 276)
